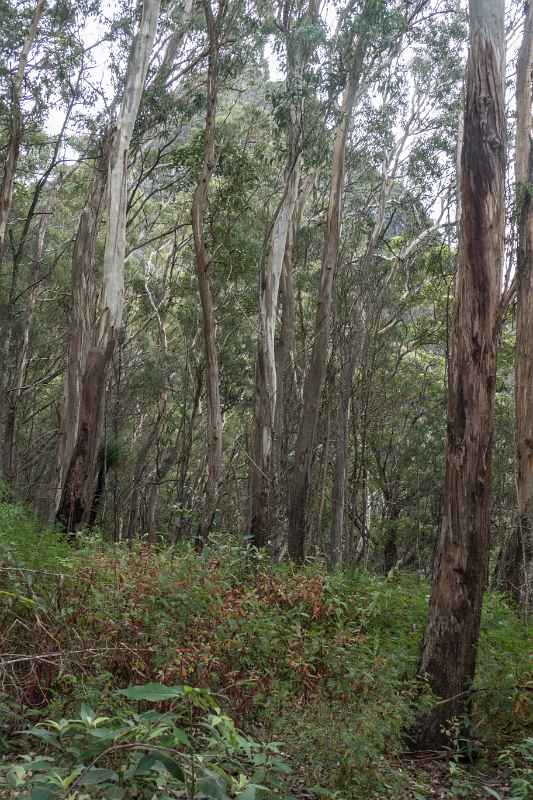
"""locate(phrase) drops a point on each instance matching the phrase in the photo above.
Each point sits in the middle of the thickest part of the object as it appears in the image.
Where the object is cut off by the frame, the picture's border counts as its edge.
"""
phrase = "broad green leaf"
(37, 764)
(94, 776)
(86, 713)
(157, 732)
(45, 793)
(151, 759)
(211, 786)
(108, 734)
(280, 766)
(145, 764)
(153, 692)
(16, 776)
(72, 777)
(179, 736)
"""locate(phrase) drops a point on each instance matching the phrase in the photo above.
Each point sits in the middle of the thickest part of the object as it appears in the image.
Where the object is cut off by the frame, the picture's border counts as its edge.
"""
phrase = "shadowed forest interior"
(266, 399)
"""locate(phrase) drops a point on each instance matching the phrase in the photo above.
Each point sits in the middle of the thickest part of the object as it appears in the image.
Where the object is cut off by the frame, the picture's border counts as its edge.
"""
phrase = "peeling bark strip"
(15, 132)
(91, 349)
(83, 336)
(115, 247)
(266, 378)
(449, 649)
(517, 571)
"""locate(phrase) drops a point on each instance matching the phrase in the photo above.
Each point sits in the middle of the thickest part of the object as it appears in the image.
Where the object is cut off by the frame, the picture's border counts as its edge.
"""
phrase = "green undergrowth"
(323, 665)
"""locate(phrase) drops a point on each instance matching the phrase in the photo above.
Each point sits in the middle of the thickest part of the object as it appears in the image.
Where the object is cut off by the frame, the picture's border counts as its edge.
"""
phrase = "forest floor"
(323, 666)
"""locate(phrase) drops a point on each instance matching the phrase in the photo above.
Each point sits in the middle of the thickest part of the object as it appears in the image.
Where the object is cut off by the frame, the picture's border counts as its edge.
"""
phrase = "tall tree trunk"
(285, 377)
(314, 380)
(265, 375)
(450, 642)
(83, 432)
(288, 395)
(339, 477)
(517, 557)
(279, 242)
(203, 262)
(82, 339)
(15, 131)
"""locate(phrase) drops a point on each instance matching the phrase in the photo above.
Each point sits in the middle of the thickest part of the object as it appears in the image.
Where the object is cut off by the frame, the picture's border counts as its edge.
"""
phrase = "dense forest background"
(234, 289)
(382, 405)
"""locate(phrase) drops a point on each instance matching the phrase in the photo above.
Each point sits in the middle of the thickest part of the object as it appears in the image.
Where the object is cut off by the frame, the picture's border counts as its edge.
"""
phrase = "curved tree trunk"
(449, 649)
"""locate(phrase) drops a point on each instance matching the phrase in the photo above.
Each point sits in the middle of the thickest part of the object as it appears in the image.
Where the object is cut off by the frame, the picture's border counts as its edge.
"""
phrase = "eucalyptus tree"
(449, 649)
(87, 369)
(47, 75)
(361, 51)
(224, 57)
(359, 40)
(299, 26)
(214, 24)
(518, 552)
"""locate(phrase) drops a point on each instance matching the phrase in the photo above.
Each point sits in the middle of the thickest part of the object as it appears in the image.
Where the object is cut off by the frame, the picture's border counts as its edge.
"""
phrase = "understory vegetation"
(161, 673)
(266, 399)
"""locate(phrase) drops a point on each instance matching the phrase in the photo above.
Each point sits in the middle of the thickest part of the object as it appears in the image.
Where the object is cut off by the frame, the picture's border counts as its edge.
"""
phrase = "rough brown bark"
(76, 505)
(449, 649)
(517, 557)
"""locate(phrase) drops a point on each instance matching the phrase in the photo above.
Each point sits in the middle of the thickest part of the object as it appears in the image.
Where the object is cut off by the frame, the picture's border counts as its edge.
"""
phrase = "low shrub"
(177, 753)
